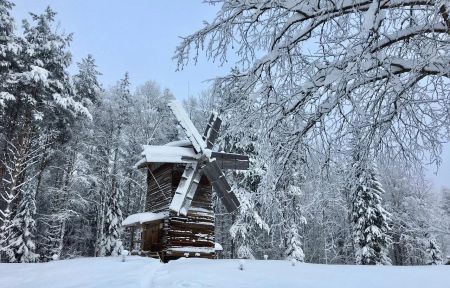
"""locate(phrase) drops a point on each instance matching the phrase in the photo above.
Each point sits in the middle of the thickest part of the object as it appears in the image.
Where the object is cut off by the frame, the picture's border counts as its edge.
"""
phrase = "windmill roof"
(180, 143)
(172, 153)
(145, 217)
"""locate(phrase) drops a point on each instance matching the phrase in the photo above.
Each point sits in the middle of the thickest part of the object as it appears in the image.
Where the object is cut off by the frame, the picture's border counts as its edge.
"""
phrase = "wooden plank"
(212, 130)
(223, 189)
(231, 160)
(187, 125)
(229, 156)
(186, 189)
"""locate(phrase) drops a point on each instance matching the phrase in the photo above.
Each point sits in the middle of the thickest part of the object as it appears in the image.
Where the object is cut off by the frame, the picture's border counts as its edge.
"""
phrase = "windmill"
(204, 161)
(179, 219)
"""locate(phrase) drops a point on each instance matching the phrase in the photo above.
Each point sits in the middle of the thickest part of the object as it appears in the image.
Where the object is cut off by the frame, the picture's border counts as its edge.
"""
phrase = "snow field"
(275, 273)
(143, 272)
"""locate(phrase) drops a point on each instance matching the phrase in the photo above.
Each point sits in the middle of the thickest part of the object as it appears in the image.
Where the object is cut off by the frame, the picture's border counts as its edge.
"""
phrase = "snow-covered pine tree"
(86, 85)
(9, 50)
(6, 253)
(369, 218)
(294, 249)
(24, 227)
(433, 252)
(19, 160)
(124, 103)
(111, 243)
(73, 224)
(47, 82)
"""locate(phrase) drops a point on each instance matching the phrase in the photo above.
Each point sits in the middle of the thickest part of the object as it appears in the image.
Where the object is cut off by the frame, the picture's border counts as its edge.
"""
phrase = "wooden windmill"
(179, 219)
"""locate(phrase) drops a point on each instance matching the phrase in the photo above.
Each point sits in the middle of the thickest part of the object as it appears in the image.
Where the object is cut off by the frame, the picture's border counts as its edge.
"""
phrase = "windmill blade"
(186, 189)
(220, 184)
(231, 160)
(187, 125)
(212, 130)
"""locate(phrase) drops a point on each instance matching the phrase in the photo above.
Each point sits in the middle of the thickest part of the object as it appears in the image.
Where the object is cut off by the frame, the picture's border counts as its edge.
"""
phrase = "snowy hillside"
(143, 272)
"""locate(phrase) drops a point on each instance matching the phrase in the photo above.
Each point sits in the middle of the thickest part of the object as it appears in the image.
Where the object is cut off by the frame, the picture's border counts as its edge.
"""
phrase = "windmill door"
(152, 237)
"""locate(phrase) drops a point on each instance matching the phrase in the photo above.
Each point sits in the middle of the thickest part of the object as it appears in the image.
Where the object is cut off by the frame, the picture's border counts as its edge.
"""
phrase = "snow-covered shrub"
(245, 252)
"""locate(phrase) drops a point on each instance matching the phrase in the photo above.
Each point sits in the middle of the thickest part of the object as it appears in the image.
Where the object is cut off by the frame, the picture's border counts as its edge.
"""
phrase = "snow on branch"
(301, 64)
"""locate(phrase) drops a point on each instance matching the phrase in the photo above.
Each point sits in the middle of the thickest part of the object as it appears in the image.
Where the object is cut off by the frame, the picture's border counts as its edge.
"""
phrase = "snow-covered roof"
(167, 154)
(144, 217)
(180, 143)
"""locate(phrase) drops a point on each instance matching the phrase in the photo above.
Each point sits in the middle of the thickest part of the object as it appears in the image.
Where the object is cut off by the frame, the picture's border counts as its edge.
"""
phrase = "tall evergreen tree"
(110, 239)
(86, 82)
(111, 243)
(369, 219)
(9, 50)
(24, 245)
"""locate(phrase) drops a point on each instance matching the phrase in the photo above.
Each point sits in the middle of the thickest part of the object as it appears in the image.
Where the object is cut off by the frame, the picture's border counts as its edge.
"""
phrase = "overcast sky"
(140, 36)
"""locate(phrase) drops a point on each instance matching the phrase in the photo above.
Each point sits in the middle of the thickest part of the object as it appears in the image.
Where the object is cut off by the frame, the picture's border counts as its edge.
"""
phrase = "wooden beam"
(231, 160)
(212, 130)
(222, 188)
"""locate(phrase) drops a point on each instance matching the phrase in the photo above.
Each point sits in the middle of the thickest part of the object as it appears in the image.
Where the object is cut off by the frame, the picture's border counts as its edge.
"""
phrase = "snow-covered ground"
(143, 272)
(108, 272)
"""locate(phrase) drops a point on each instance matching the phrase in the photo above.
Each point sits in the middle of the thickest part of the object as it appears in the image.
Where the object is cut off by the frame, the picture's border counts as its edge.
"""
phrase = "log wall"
(194, 231)
(197, 228)
(159, 188)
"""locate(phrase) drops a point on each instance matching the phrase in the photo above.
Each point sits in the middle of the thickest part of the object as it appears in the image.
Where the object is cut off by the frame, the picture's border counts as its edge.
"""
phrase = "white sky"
(140, 36)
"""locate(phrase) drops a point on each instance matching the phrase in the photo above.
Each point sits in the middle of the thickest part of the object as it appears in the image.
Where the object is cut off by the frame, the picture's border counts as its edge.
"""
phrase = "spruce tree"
(23, 245)
(111, 243)
(17, 162)
(294, 249)
(9, 50)
(369, 219)
(6, 235)
(47, 83)
(86, 83)
(434, 253)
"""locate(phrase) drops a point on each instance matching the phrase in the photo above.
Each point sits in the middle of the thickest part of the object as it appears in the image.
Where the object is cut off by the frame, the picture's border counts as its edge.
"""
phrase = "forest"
(340, 105)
